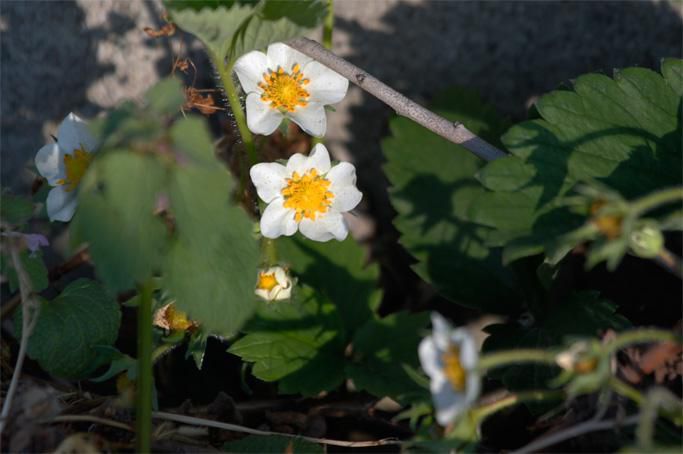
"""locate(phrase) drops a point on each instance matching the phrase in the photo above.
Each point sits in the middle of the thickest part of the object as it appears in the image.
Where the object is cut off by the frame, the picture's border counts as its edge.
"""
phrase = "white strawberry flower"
(273, 284)
(307, 195)
(285, 82)
(63, 164)
(449, 356)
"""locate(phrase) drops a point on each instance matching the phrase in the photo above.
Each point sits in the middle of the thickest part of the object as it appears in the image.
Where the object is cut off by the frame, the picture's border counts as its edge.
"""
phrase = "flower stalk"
(144, 378)
(504, 358)
(225, 73)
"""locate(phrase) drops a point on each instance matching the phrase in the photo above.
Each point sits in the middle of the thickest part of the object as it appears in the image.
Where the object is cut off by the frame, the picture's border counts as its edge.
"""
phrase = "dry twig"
(30, 309)
(454, 132)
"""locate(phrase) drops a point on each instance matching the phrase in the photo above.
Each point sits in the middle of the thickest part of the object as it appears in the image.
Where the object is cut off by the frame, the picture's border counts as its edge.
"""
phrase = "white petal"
(346, 199)
(325, 86)
(311, 118)
(319, 159)
(297, 163)
(262, 293)
(269, 179)
(281, 277)
(324, 228)
(468, 349)
(441, 331)
(283, 56)
(61, 205)
(250, 69)
(449, 403)
(341, 175)
(429, 357)
(73, 133)
(50, 163)
(277, 220)
(261, 119)
(282, 293)
(473, 387)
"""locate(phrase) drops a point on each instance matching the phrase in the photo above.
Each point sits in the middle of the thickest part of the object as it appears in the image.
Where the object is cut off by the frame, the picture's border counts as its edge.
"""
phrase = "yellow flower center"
(307, 194)
(75, 166)
(285, 91)
(453, 368)
(266, 281)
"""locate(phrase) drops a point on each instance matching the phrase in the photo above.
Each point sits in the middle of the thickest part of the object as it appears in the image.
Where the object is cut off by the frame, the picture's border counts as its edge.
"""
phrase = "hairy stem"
(144, 379)
(640, 336)
(225, 73)
(454, 132)
(656, 199)
(503, 358)
(29, 311)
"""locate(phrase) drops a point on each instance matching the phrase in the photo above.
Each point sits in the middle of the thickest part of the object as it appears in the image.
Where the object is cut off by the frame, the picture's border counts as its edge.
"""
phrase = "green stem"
(640, 336)
(268, 251)
(498, 359)
(655, 199)
(328, 25)
(225, 73)
(144, 379)
(626, 390)
(483, 412)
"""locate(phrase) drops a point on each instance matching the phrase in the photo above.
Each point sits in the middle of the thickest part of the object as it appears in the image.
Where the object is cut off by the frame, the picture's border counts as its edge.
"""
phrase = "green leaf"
(277, 22)
(125, 127)
(116, 217)
(623, 132)
(70, 326)
(298, 343)
(589, 316)
(381, 351)
(433, 186)
(166, 97)
(211, 266)
(262, 444)
(33, 265)
(192, 138)
(231, 29)
(14, 209)
(354, 289)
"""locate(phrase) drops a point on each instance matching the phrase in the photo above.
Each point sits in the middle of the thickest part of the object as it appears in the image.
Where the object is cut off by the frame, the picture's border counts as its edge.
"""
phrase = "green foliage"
(116, 217)
(433, 187)
(231, 29)
(584, 314)
(156, 200)
(261, 444)
(305, 343)
(338, 270)
(211, 266)
(382, 349)
(298, 343)
(69, 328)
(33, 265)
(623, 132)
(14, 209)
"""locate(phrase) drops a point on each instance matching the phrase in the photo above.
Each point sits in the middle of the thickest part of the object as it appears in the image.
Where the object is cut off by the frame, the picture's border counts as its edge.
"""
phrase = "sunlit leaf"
(116, 217)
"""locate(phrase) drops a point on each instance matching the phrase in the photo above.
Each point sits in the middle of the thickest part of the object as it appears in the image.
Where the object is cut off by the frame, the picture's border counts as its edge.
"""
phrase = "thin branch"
(54, 274)
(454, 132)
(30, 309)
(575, 431)
(235, 428)
(93, 419)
